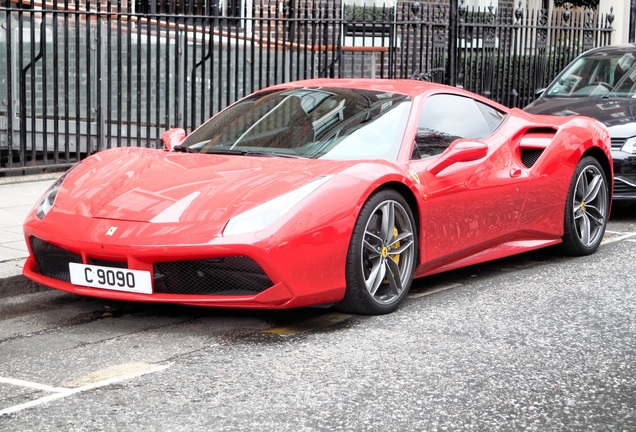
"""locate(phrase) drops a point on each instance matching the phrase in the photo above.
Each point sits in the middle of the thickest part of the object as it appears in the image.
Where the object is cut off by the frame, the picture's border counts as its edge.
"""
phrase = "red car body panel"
(168, 206)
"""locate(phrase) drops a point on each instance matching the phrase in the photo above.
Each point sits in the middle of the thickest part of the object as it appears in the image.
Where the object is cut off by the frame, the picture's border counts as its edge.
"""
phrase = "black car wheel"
(382, 255)
(586, 208)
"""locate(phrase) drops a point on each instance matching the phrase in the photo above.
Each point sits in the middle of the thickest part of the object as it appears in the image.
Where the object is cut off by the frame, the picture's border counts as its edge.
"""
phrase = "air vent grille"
(530, 156)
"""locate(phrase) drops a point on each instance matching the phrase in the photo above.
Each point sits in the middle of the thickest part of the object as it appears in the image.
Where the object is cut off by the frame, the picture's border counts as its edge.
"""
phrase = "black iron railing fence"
(87, 76)
(508, 55)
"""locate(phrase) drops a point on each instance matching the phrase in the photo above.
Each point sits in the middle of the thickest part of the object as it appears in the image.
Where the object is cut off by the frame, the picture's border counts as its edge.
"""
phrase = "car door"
(472, 204)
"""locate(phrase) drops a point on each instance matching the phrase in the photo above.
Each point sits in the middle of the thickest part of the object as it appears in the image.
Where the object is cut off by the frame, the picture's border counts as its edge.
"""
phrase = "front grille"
(235, 275)
(617, 143)
(530, 156)
(52, 260)
(622, 188)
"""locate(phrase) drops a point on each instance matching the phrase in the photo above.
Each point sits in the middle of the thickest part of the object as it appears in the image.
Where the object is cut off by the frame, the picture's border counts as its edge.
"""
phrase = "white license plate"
(111, 278)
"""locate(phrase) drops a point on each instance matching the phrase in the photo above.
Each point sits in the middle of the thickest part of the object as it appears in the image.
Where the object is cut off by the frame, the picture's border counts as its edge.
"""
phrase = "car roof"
(612, 49)
(408, 87)
(404, 86)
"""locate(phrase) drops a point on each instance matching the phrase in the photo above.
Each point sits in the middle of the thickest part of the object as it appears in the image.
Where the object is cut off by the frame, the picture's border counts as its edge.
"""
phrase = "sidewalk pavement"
(18, 195)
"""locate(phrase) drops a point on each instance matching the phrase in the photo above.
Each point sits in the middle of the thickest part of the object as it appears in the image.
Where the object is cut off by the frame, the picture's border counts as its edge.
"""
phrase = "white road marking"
(29, 384)
(607, 240)
(434, 290)
(112, 375)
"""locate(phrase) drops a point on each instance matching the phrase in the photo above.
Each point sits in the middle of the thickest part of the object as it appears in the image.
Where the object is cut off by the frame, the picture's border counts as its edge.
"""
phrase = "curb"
(30, 178)
(17, 285)
(12, 282)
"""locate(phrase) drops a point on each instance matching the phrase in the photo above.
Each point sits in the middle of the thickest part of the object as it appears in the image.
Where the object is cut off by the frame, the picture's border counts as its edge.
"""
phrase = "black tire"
(382, 256)
(586, 209)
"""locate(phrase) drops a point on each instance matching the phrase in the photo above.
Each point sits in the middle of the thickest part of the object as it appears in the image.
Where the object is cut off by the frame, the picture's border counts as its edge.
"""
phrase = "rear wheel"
(382, 255)
(586, 208)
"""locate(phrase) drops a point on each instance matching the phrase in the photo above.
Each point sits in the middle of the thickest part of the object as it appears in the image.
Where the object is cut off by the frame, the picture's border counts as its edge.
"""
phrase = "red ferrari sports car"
(322, 192)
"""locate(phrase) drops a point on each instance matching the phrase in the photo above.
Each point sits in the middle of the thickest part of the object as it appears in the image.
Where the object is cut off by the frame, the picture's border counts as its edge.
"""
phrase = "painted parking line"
(101, 378)
(434, 290)
(31, 385)
(608, 240)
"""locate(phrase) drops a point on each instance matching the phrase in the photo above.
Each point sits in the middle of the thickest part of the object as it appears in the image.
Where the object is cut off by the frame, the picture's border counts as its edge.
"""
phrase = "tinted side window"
(445, 118)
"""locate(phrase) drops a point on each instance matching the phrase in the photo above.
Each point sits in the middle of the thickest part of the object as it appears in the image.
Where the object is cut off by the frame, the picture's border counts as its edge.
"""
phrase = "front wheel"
(586, 208)
(381, 257)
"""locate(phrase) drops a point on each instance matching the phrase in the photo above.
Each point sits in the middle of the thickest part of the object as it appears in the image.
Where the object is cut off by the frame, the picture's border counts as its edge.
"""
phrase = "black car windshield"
(601, 74)
(330, 123)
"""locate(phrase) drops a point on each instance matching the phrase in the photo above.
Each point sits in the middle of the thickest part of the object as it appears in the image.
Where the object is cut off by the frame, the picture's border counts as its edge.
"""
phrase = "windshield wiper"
(225, 152)
(180, 148)
(249, 153)
(271, 154)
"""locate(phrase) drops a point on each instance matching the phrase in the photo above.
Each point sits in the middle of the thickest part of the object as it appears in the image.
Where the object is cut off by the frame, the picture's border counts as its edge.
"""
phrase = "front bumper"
(276, 296)
(254, 271)
(624, 175)
(624, 188)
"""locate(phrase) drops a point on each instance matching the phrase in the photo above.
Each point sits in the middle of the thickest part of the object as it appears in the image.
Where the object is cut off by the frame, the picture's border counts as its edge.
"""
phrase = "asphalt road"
(534, 342)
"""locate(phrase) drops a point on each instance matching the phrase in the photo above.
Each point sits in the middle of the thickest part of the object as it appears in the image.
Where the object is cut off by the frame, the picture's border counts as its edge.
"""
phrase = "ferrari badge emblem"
(415, 176)
(111, 231)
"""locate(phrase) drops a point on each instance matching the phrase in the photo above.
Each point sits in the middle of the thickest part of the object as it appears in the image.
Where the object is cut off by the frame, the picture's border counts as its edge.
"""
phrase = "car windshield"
(329, 123)
(601, 74)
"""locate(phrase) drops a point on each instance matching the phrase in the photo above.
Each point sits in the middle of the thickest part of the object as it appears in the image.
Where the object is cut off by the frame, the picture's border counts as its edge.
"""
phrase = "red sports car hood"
(146, 185)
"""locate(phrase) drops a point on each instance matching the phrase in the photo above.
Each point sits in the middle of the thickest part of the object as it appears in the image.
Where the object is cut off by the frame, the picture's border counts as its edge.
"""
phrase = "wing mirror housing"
(459, 151)
(173, 137)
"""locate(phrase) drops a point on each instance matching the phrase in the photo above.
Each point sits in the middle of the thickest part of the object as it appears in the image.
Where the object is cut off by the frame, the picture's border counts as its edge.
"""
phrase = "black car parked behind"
(601, 83)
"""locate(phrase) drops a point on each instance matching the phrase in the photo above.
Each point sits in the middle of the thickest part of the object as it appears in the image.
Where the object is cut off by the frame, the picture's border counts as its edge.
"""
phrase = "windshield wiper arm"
(180, 148)
(249, 153)
(271, 154)
(225, 152)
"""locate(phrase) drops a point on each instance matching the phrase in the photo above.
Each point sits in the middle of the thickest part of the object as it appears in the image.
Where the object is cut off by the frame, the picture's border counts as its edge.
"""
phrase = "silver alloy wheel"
(388, 252)
(590, 205)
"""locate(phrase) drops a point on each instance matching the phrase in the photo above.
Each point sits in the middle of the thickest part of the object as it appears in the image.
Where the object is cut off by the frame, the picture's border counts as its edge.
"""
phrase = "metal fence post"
(452, 42)
(9, 101)
(181, 77)
(102, 84)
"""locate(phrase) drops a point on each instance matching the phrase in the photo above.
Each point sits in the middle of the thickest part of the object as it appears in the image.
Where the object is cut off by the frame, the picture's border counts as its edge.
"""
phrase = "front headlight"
(629, 146)
(48, 199)
(263, 215)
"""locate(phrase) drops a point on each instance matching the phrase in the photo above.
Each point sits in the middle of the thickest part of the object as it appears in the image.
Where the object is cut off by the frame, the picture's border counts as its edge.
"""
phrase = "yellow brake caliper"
(385, 252)
(396, 245)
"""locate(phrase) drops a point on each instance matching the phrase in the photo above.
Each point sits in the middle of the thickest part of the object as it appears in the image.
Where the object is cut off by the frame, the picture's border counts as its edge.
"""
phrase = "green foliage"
(367, 13)
(512, 79)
